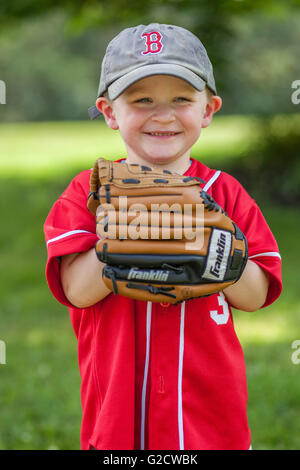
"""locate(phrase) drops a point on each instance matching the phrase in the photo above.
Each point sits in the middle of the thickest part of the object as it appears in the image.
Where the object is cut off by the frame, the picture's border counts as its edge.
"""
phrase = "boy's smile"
(160, 118)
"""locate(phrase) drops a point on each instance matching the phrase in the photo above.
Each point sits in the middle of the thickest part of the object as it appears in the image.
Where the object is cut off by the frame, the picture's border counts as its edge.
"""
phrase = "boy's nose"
(163, 114)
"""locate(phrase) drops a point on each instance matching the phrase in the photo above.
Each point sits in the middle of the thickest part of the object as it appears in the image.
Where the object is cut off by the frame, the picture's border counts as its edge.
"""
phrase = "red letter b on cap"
(153, 42)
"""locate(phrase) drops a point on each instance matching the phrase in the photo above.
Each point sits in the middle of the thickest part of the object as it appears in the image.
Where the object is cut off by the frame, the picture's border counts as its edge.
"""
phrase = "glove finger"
(124, 197)
(114, 223)
(142, 232)
(106, 247)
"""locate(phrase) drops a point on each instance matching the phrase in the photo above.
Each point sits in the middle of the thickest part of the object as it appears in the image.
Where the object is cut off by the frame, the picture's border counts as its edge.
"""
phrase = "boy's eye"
(143, 100)
(178, 99)
(181, 99)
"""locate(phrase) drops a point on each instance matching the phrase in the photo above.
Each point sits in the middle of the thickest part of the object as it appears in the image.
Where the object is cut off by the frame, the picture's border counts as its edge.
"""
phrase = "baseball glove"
(161, 236)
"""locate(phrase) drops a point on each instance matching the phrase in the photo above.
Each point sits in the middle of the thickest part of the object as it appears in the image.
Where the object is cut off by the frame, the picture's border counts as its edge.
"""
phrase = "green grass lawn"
(45, 148)
(40, 384)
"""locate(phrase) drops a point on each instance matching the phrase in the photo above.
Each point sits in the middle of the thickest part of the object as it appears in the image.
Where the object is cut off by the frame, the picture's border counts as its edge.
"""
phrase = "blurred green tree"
(51, 55)
(45, 45)
(208, 18)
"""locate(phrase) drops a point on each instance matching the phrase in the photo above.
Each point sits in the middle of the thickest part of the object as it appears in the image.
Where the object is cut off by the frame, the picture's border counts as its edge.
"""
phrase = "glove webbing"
(152, 289)
(110, 273)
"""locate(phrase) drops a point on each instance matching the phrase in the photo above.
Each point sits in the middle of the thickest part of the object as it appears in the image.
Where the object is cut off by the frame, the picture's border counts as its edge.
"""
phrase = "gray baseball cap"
(155, 49)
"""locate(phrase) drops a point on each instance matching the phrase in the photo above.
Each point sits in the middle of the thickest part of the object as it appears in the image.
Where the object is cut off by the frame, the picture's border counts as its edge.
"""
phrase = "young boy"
(159, 376)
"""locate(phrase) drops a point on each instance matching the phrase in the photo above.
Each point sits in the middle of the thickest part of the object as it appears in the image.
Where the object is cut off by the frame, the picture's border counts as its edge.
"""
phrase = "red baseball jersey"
(158, 376)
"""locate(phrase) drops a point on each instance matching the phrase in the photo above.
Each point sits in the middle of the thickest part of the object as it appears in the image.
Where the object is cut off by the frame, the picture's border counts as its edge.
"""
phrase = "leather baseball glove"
(161, 236)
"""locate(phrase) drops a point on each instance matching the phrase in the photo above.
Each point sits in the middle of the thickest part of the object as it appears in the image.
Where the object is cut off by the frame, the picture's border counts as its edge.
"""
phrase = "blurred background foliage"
(51, 61)
(50, 57)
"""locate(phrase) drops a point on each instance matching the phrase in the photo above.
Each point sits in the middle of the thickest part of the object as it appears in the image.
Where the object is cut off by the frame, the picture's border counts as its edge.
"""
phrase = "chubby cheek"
(193, 129)
(191, 118)
(129, 131)
(130, 126)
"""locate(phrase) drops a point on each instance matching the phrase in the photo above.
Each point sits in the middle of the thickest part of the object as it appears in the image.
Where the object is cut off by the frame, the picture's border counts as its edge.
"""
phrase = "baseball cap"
(155, 49)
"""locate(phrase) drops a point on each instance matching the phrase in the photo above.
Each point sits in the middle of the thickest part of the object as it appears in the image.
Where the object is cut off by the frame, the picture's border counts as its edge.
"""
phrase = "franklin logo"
(219, 252)
(152, 275)
(221, 245)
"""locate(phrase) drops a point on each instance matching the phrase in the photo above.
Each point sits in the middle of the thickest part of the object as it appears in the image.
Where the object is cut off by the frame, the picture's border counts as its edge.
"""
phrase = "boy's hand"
(162, 237)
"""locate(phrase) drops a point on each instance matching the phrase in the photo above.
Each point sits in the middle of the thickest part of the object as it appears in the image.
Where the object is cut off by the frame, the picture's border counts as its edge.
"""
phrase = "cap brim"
(120, 85)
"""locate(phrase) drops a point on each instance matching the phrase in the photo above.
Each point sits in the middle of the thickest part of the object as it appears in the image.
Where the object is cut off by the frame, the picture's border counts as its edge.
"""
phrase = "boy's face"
(160, 118)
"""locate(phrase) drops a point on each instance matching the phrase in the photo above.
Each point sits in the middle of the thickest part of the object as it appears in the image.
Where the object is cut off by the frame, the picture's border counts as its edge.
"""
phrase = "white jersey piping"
(267, 253)
(144, 389)
(67, 234)
(180, 367)
(212, 180)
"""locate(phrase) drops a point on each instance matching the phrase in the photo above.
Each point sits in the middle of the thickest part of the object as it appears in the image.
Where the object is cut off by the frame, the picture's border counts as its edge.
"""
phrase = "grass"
(40, 383)
(44, 148)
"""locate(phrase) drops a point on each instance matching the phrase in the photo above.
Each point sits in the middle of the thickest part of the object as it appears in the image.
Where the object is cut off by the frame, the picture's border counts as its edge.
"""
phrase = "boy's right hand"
(82, 280)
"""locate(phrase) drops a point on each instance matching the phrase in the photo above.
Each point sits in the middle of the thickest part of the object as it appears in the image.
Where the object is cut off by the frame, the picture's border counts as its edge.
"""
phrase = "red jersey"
(158, 376)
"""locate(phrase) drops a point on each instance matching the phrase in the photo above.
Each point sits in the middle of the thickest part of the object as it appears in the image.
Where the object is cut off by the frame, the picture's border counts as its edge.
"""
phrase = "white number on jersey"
(223, 317)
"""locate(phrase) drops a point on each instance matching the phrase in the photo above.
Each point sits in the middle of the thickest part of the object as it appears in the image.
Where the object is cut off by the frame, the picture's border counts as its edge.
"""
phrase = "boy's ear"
(212, 107)
(105, 106)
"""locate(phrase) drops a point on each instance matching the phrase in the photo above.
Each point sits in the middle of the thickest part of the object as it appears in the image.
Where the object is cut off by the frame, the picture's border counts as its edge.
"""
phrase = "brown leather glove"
(161, 236)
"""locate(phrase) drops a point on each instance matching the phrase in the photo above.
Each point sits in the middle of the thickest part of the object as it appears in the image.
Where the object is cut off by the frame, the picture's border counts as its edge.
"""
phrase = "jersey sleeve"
(262, 246)
(68, 228)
